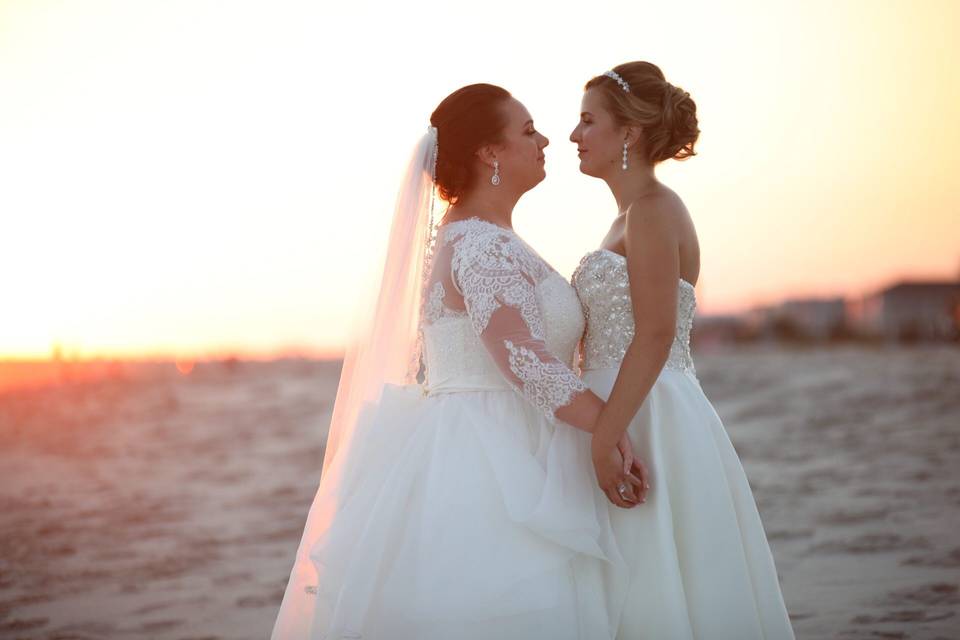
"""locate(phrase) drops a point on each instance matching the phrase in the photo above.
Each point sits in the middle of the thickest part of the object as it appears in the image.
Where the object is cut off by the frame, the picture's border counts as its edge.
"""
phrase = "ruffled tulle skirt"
(463, 515)
(699, 565)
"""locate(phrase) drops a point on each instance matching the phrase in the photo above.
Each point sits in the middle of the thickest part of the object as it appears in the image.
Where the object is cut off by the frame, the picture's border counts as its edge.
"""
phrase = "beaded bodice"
(602, 284)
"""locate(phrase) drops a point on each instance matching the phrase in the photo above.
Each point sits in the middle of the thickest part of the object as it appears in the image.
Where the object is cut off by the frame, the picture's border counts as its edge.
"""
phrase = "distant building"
(760, 323)
(911, 310)
(817, 318)
(712, 330)
(908, 310)
(799, 319)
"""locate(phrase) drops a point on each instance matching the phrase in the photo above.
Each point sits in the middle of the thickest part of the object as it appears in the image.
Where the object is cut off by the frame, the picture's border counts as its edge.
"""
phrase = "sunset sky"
(196, 177)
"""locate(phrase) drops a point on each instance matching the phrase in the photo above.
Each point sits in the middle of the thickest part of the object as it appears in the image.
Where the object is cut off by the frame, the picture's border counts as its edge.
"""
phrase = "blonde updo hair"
(666, 114)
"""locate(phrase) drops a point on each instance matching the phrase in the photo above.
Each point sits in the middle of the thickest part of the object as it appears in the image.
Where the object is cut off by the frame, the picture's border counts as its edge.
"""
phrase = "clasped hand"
(617, 467)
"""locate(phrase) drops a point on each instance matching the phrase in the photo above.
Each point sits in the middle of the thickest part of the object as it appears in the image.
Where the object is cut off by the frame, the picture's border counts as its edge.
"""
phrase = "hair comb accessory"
(620, 81)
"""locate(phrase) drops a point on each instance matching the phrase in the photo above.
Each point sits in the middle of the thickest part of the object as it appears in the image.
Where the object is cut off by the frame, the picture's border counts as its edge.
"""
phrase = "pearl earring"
(624, 165)
(495, 179)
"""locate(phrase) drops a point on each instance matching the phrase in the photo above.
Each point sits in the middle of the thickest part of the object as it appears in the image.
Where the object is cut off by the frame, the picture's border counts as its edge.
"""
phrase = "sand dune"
(149, 504)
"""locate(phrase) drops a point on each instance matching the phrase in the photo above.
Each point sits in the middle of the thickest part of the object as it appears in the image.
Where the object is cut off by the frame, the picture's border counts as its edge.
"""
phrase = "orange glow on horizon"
(173, 355)
(182, 180)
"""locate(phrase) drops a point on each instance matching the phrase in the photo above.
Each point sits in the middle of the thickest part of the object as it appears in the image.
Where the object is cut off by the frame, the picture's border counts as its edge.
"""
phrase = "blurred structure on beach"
(906, 312)
(912, 311)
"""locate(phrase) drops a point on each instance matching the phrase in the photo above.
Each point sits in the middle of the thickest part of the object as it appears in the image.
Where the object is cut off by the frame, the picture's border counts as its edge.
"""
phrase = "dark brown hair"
(466, 120)
(666, 114)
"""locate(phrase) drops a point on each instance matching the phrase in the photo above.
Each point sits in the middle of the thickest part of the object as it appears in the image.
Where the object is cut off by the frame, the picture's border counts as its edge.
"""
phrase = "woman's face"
(598, 138)
(520, 154)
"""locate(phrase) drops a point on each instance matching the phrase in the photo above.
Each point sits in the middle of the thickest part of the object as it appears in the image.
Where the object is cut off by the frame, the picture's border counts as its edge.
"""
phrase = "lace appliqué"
(492, 268)
(433, 309)
(548, 385)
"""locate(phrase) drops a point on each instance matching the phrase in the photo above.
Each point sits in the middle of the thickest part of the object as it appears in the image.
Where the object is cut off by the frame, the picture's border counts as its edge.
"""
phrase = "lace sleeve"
(500, 298)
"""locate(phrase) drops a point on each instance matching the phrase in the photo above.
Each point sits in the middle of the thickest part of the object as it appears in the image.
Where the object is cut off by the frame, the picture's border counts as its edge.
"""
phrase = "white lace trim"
(433, 309)
(493, 267)
(548, 385)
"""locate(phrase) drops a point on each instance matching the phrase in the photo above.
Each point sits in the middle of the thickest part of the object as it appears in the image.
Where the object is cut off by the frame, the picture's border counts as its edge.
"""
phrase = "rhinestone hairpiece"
(620, 81)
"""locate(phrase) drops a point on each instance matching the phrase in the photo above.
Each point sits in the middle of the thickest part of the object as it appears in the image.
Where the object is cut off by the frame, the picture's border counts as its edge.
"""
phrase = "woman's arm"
(500, 299)
(652, 248)
(545, 381)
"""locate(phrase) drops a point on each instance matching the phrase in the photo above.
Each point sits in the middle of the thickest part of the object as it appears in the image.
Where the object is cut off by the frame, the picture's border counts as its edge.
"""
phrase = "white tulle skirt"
(697, 556)
(472, 517)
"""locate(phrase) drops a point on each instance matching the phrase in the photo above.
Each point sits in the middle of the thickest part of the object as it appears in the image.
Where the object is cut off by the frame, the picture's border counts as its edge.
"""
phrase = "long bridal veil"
(384, 350)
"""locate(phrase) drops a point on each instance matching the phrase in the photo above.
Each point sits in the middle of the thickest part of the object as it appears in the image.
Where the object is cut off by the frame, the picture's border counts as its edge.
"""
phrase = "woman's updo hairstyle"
(666, 114)
(467, 119)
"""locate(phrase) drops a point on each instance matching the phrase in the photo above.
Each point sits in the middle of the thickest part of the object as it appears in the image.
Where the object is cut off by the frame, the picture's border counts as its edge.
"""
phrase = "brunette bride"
(463, 505)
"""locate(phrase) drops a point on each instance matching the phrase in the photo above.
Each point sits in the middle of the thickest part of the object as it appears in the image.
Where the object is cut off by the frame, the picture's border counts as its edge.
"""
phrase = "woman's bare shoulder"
(657, 208)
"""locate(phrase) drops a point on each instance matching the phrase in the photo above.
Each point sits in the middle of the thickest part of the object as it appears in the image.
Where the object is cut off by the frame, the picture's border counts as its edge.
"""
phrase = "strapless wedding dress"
(698, 564)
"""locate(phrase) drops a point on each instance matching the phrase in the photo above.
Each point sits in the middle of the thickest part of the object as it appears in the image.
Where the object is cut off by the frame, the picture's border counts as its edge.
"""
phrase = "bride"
(698, 560)
(463, 506)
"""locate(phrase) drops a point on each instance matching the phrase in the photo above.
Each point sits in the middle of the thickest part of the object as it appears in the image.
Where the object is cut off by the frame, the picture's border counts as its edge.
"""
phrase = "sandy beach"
(145, 503)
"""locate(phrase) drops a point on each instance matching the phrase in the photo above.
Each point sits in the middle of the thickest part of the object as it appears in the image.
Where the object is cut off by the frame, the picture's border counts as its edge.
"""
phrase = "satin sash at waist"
(475, 382)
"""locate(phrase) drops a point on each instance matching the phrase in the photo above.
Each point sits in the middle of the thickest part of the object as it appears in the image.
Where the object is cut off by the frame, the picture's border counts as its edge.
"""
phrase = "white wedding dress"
(699, 565)
(472, 512)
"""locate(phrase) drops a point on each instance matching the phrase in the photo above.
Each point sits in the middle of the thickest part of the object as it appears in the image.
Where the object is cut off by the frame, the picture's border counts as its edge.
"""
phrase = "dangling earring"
(624, 165)
(495, 179)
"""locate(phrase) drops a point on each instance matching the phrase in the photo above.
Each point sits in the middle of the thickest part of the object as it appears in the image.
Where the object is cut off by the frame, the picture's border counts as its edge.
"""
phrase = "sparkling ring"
(621, 488)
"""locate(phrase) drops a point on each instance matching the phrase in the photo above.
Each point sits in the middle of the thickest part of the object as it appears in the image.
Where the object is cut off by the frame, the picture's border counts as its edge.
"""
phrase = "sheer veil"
(384, 350)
